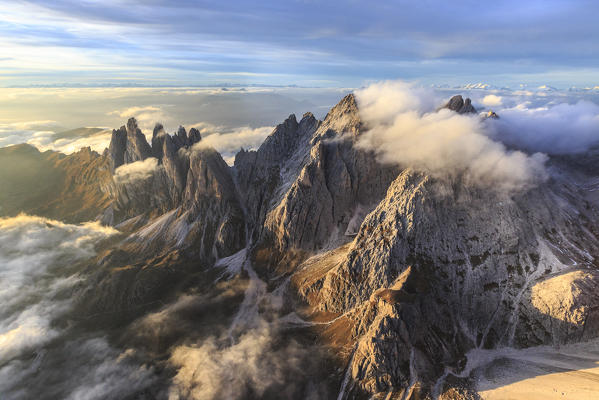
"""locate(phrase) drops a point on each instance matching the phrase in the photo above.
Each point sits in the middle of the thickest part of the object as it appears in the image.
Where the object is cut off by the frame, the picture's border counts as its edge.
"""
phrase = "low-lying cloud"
(228, 143)
(138, 170)
(40, 136)
(146, 116)
(492, 100)
(404, 127)
(33, 254)
(39, 356)
(557, 129)
(207, 372)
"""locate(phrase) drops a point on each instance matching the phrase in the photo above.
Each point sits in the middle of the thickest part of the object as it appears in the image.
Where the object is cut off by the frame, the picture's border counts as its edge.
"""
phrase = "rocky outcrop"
(194, 136)
(459, 105)
(128, 144)
(491, 114)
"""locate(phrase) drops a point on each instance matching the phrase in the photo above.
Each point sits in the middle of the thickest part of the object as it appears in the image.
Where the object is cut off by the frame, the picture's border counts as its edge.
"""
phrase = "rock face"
(439, 269)
(459, 105)
(128, 145)
(265, 174)
(310, 186)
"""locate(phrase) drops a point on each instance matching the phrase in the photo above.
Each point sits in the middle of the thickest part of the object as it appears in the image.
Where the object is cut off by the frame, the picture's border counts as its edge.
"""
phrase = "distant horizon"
(474, 85)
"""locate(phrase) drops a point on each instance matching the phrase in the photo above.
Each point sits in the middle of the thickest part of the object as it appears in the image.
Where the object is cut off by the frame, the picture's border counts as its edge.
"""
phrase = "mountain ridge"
(403, 273)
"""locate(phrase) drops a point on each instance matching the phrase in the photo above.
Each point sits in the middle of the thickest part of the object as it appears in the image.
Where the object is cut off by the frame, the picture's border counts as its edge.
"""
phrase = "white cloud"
(35, 254)
(146, 116)
(229, 143)
(559, 129)
(36, 134)
(249, 366)
(136, 170)
(492, 100)
(38, 277)
(404, 129)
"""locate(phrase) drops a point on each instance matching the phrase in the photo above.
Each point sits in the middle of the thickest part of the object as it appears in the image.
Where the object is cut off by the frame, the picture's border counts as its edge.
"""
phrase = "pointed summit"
(182, 136)
(344, 117)
(132, 127)
(347, 105)
(194, 136)
(128, 144)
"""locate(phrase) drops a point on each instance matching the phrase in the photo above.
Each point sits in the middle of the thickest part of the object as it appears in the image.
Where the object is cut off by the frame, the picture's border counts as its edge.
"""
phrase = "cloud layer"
(138, 170)
(42, 134)
(230, 142)
(38, 259)
(404, 128)
(554, 129)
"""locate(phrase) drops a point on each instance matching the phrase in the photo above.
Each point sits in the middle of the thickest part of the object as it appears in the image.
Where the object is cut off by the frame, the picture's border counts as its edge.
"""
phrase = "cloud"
(404, 128)
(492, 100)
(252, 366)
(45, 141)
(229, 143)
(34, 254)
(146, 116)
(136, 170)
(205, 372)
(557, 129)
(39, 356)
(36, 133)
(77, 369)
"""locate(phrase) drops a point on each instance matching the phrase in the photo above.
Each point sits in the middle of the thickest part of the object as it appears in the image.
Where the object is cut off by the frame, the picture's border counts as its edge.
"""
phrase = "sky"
(304, 42)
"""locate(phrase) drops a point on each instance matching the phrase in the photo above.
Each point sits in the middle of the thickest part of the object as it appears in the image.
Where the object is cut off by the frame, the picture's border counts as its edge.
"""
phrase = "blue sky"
(307, 43)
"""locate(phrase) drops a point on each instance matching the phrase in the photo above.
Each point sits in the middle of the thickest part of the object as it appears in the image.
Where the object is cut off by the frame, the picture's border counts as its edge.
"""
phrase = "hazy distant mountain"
(351, 278)
(77, 133)
(71, 188)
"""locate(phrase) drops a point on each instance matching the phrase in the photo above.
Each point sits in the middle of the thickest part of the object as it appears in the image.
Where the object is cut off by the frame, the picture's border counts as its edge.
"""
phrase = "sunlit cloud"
(228, 143)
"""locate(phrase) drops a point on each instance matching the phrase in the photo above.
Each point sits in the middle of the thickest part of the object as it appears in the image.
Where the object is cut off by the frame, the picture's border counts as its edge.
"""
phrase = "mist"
(210, 342)
(39, 278)
(36, 116)
(404, 126)
(553, 129)
(229, 143)
(138, 170)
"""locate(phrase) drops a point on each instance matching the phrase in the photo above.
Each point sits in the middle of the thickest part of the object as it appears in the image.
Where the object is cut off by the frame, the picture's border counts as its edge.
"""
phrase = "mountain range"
(373, 279)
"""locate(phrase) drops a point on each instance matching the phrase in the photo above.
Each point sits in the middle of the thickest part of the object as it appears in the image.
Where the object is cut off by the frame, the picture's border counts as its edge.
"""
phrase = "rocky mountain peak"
(158, 130)
(128, 144)
(347, 106)
(344, 118)
(182, 136)
(290, 122)
(132, 127)
(194, 136)
(491, 114)
(459, 105)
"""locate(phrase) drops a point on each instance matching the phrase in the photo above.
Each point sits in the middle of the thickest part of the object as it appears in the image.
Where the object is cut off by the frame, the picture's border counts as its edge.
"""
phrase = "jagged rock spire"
(182, 136)
(194, 136)
(128, 144)
(459, 105)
